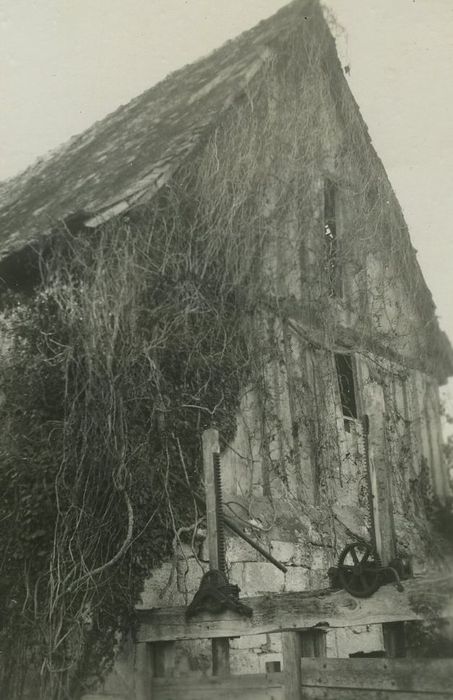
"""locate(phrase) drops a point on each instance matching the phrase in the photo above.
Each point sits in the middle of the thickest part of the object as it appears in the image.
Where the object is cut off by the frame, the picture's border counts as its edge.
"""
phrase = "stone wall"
(307, 563)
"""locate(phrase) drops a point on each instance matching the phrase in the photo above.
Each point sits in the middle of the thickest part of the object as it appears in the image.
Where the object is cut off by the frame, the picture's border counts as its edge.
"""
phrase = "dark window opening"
(273, 666)
(345, 374)
(331, 240)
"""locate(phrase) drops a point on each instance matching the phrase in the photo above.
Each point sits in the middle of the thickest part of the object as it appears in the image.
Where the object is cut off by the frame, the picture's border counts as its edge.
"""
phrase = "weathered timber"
(245, 687)
(326, 679)
(408, 675)
(313, 693)
(422, 597)
(292, 651)
(310, 643)
(103, 696)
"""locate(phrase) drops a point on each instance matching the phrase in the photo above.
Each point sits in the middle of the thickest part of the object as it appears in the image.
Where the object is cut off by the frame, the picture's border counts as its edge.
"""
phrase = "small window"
(273, 666)
(331, 240)
(345, 374)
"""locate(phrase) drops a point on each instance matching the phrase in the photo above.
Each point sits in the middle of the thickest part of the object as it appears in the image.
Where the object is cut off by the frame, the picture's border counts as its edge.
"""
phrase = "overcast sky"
(67, 63)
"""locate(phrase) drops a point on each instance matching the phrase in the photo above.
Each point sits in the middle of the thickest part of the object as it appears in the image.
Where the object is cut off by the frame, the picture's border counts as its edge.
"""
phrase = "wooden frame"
(422, 597)
(308, 674)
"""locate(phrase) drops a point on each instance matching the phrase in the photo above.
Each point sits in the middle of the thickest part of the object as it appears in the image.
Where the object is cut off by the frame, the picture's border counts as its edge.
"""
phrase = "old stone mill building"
(318, 452)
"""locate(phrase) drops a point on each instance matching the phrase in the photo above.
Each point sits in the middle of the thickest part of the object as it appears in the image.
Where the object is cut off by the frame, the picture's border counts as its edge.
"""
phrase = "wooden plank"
(292, 651)
(381, 492)
(382, 499)
(310, 643)
(367, 694)
(408, 675)
(304, 610)
(245, 687)
(373, 482)
(247, 680)
(102, 696)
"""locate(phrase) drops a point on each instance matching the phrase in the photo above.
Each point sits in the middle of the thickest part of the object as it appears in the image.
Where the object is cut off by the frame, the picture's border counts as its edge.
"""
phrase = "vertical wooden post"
(292, 653)
(381, 493)
(380, 484)
(220, 647)
(295, 645)
(143, 671)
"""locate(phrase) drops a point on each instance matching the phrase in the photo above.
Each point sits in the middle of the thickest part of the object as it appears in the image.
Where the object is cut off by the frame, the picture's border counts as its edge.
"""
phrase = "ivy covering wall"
(141, 334)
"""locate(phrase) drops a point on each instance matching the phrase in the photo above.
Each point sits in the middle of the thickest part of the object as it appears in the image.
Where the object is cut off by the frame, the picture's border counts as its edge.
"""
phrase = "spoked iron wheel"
(359, 569)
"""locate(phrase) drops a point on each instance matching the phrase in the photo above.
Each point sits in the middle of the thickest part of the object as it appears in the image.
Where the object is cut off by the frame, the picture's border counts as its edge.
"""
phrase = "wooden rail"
(307, 674)
(269, 686)
(422, 597)
(411, 677)
(322, 679)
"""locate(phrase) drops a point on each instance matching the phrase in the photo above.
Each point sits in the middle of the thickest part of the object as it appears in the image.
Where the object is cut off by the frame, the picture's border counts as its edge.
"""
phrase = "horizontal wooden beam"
(247, 687)
(416, 676)
(422, 597)
(322, 679)
(313, 693)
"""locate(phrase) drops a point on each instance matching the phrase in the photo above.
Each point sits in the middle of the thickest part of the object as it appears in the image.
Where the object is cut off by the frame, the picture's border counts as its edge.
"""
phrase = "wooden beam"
(292, 652)
(422, 597)
(409, 675)
(379, 476)
(382, 502)
(267, 686)
(310, 643)
(313, 693)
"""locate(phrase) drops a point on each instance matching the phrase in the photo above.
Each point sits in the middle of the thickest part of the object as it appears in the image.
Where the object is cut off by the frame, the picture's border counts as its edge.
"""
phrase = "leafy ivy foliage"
(113, 369)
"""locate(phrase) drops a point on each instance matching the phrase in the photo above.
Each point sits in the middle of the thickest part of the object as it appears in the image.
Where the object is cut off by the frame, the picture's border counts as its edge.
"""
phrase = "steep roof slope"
(124, 158)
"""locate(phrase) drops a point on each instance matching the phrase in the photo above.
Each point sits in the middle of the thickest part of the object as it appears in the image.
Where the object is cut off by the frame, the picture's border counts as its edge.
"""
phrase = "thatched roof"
(123, 159)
